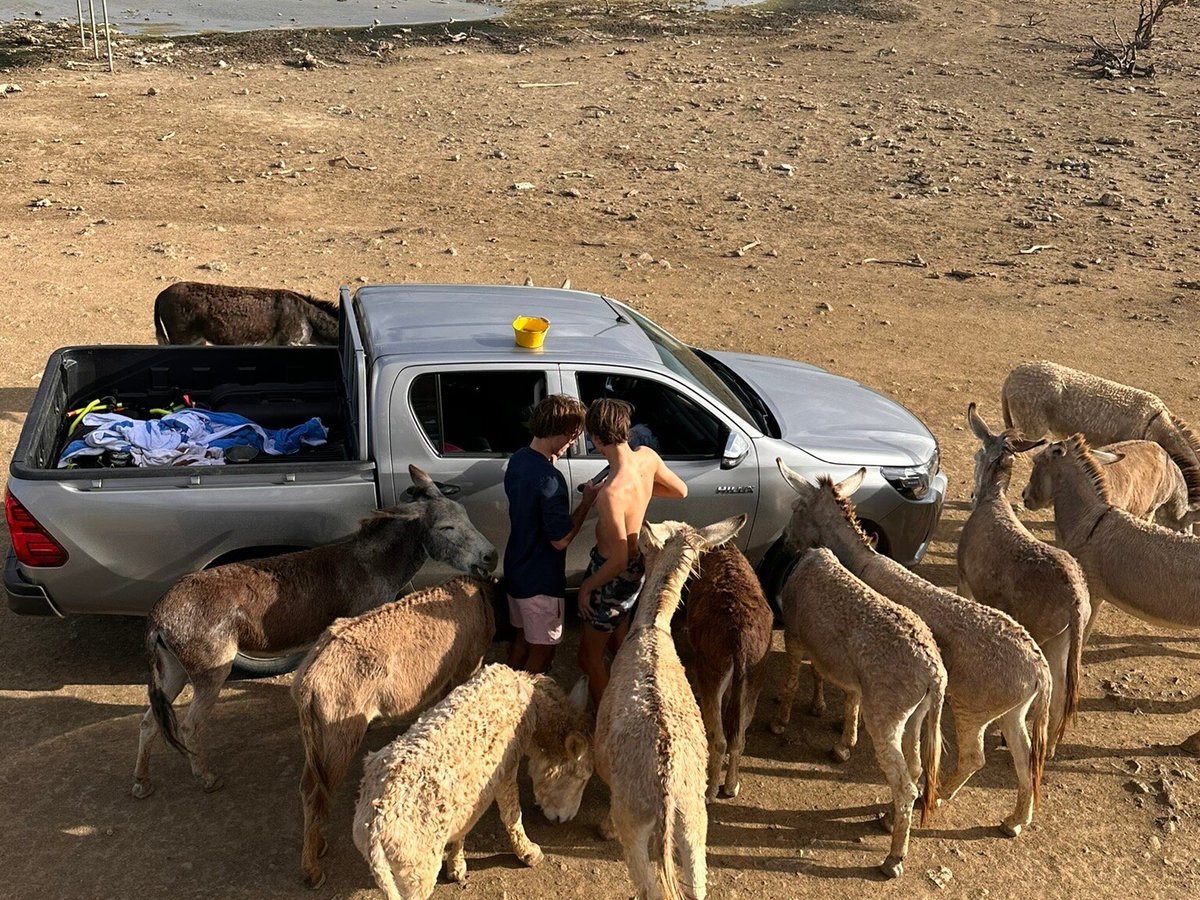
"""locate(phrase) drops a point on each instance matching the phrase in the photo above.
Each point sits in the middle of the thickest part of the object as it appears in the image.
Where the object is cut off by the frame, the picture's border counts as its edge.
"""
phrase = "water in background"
(173, 17)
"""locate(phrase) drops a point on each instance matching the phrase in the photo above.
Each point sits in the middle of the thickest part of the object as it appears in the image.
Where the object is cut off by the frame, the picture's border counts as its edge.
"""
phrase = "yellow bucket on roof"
(530, 331)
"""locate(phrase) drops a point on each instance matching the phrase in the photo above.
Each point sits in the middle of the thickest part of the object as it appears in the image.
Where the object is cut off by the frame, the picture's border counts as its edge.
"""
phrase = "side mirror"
(736, 448)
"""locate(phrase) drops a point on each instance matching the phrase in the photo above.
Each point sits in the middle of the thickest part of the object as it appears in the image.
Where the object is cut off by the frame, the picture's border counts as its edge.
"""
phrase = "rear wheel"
(249, 666)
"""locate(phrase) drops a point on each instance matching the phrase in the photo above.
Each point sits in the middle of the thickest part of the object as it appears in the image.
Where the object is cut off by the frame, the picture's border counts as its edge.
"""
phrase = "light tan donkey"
(1004, 566)
(1149, 571)
(423, 793)
(885, 660)
(1044, 398)
(394, 662)
(650, 745)
(995, 668)
(1143, 480)
(729, 626)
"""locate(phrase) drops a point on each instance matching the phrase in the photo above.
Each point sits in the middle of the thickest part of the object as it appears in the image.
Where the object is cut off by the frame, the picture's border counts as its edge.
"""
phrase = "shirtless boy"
(614, 575)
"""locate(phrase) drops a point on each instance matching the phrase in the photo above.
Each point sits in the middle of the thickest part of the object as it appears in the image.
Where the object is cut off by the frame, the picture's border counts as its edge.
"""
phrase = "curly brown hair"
(557, 414)
(608, 421)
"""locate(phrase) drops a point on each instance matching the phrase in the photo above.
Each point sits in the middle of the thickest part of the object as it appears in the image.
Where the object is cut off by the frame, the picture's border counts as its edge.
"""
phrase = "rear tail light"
(33, 544)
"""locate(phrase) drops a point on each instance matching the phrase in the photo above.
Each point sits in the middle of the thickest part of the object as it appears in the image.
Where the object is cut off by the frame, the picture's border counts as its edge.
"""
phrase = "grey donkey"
(270, 606)
(192, 312)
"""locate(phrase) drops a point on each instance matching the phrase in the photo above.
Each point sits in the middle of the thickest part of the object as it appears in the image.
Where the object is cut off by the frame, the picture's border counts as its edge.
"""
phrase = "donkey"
(1004, 566)
(885, 659)
(729, 626)
(1148, 571)
(191, 312)
(1144, 481)
(393, 661)
(423, 793)
(273, 605)
(995, 669)
(650, 746)
(1044, 398)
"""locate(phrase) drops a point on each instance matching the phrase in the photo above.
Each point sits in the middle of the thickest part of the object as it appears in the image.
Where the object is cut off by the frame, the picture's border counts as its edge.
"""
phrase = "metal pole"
(107, 34)
(95, 42)
(82, 33)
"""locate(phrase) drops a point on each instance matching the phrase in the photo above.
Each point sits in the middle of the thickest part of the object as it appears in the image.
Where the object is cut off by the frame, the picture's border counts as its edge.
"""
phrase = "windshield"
(683, 361)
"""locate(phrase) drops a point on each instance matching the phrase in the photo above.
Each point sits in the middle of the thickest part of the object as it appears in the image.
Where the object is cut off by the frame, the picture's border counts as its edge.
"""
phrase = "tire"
(245, 666)
(773, 572)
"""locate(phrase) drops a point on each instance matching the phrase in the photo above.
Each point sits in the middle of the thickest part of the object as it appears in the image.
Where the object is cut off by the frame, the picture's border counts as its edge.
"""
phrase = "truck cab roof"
(474, 322)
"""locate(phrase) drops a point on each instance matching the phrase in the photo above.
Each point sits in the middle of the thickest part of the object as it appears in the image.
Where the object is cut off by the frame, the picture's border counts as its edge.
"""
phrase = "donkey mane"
(326, 306)
(847, 509)
(1191, 477)
(1082, 453)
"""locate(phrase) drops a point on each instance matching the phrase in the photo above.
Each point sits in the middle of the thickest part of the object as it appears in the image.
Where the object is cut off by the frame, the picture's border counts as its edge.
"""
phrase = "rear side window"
(476, 413)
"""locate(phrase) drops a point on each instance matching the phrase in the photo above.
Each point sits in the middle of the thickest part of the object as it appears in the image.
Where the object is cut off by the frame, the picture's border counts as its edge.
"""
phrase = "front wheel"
(249, 666)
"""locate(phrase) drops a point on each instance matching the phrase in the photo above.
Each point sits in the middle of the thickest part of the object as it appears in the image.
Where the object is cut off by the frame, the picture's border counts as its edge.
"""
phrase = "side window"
(663, 419)
(476, 413)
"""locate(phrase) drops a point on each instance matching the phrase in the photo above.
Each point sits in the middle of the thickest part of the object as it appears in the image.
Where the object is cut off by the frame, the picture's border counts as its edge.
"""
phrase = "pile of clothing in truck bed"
(189, 437)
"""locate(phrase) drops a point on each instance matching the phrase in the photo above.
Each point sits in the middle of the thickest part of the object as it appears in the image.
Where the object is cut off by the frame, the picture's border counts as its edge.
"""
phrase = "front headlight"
(912, 482)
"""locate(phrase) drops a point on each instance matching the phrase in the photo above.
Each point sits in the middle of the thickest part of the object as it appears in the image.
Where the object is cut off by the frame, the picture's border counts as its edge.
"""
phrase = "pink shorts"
(540, 617)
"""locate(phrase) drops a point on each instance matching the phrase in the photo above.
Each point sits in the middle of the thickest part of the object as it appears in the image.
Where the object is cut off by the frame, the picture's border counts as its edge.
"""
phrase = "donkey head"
(655, 536)
(1059, 457)
(994, 458)
(447, 534)
(820, 509)
(560, 758)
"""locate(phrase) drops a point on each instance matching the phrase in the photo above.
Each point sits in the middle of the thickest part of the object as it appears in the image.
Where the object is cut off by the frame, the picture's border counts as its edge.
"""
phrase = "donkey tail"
(1183, 446)
(1075, 632)
(1039, 740)
(731, 715)
(1004, 410)
(160, 329)
(663, 844)
(164, 712)
(931, 748)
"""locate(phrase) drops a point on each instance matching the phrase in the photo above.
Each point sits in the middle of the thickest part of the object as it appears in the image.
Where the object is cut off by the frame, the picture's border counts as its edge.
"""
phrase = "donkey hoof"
(840, 754)
(728, 793)
(143, 788)
(893, 867)
(457, 872)
(777, 727)
(530, 857)
(1013, 830)
(314, 881)
(212, 783)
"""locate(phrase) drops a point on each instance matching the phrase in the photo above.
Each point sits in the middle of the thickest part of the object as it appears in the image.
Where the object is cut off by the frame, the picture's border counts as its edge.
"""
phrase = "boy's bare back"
(622, 502)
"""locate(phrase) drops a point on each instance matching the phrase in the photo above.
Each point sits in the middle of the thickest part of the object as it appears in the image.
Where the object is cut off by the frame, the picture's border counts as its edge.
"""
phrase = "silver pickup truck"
(430, 374)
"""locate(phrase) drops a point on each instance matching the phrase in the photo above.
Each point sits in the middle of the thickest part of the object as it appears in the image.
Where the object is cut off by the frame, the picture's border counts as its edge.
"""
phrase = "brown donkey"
(394, 662)
(1001, 564)
(192, 312)
(270, 606)
(729, 626)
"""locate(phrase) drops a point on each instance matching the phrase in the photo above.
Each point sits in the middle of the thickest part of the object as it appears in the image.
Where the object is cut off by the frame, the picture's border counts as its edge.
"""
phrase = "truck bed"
(276, 387)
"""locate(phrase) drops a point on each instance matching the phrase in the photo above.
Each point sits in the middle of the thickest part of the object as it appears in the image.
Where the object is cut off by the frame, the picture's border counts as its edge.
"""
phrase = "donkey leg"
(733, 782)
(1058, 653)
(795, 658)
(711, 694)
(456, 862)
(816, 706)
(1012, 724)
(643, 871)
(508, 800)
(969, 728)
(691, 837)
(206, 688)
(887, 734)
(174, 677)
(841, 750)
(911, 744)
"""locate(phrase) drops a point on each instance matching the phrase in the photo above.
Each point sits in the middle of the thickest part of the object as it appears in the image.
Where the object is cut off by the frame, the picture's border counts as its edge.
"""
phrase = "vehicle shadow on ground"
(15, 400)
(44, 653)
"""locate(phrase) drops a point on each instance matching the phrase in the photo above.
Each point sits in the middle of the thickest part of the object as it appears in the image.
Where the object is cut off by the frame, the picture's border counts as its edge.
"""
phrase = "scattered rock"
(676, 166)
(939, 877)
(523, 186)
(40, 203)
(9, 88)
(214, 265)
(824, 306)
(1111, 199)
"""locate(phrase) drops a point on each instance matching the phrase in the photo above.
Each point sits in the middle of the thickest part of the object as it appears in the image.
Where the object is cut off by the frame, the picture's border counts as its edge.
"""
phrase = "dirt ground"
(940, 175)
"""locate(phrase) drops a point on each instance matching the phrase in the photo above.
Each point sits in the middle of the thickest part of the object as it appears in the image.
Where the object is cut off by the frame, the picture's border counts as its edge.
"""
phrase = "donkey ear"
(579, 694)
(656, 534)
(799, 483)
(1024, 445)
(422, 483)
(576, 745)
(720, 532)
(848, 486)
(978, 426)
(1107, 457)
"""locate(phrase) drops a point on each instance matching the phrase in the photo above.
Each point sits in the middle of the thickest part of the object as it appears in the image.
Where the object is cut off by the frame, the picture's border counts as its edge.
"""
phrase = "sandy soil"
(833, 148)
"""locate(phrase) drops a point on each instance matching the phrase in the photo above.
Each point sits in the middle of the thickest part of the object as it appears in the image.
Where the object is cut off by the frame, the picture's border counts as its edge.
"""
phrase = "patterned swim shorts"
(611, 603)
